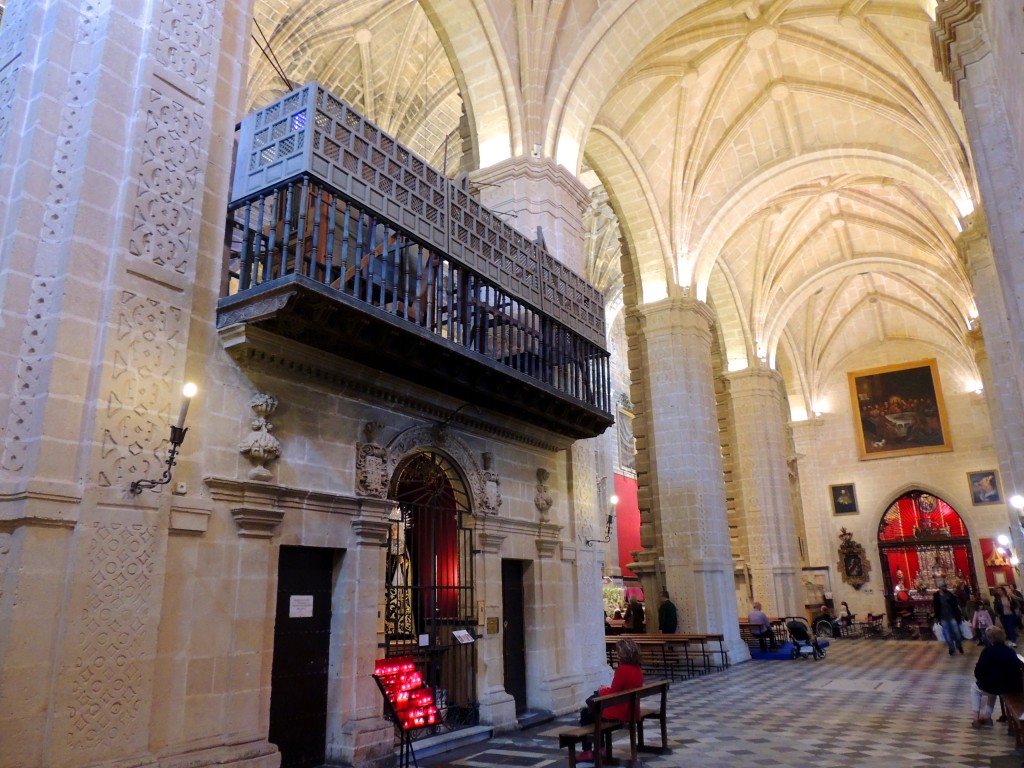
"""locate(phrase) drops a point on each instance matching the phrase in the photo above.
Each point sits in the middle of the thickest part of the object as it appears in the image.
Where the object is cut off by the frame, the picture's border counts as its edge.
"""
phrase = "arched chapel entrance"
(922, 541)
(429, 592)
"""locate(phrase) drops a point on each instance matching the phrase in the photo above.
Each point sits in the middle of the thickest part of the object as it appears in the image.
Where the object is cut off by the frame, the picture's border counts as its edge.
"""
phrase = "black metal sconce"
(608, 524)
(177, 438)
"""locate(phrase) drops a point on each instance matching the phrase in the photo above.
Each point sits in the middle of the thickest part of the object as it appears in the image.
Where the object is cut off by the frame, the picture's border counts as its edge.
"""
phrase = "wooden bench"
(754, 641)
(708, 649)
(657, 656)
(600, 733)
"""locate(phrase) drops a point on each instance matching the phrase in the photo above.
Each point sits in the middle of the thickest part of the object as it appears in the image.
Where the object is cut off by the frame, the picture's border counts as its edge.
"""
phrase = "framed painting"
(898, 410)
(844, 499)
(984, 486)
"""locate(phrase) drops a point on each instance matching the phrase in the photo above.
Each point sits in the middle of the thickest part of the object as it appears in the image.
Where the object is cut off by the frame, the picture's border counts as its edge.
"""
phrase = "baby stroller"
(804, 643)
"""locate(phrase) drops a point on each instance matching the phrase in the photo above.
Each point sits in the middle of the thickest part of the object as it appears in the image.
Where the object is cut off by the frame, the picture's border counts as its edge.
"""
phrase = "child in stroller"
(804, 643)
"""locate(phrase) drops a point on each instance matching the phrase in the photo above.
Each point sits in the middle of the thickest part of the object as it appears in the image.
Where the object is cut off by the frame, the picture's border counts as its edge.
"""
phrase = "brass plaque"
(492, 625)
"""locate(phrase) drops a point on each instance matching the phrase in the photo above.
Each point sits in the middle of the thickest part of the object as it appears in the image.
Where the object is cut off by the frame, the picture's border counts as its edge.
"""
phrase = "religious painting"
(984, 487)
(844, 499)
(627, 443)
(898, 410)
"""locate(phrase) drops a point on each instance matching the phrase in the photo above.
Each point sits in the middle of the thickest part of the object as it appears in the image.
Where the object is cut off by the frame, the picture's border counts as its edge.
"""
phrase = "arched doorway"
(922, 541)
(429, 595)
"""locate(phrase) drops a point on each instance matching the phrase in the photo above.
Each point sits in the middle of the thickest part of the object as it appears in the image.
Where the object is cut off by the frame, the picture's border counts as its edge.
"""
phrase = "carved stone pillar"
(102, 198)
(996, 356)
(363, 737)
(975, 50)
(684, 521)
(497, 707)
(763, 477)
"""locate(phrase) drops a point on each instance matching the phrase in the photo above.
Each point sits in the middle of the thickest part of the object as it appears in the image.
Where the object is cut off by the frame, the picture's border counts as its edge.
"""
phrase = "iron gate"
(429, 584)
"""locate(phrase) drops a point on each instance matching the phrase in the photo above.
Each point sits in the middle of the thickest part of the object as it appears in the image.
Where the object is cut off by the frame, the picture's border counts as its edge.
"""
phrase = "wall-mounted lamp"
(608, 524)
(177, 438)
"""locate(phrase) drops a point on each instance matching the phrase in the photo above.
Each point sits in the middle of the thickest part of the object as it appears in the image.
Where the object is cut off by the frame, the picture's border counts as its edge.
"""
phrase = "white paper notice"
(300, 606)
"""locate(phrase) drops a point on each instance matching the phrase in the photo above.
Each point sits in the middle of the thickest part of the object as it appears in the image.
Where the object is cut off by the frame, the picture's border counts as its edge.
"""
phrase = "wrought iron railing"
(322, 193)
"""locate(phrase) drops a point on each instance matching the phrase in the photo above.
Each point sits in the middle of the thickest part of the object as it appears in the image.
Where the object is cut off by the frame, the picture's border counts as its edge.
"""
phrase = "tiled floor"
(876, 703)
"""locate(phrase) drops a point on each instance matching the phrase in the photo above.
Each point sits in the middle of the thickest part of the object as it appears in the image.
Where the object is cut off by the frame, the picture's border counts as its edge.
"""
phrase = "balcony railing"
(330, 206)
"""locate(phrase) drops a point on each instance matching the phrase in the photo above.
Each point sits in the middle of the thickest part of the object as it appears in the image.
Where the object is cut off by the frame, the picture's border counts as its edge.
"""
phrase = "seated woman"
(628, 675)
(997, 672)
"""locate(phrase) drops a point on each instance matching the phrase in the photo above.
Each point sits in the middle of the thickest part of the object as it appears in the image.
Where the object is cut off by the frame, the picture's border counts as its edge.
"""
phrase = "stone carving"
(13, 42)
(372, 468)
(542, 500)
(584, 474)
(854, 565)
(112, 636)
(140, 391)
(163, 227)
(491, 486)
(442, 439)
(183, 44)
(259, 446)
(29, 383)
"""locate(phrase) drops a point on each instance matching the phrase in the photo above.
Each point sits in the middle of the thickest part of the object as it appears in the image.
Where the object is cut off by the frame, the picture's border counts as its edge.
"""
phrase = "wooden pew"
(600, 733)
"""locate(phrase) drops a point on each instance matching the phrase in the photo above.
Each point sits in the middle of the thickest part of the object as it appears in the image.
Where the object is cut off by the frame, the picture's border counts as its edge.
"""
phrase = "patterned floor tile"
(869, 704)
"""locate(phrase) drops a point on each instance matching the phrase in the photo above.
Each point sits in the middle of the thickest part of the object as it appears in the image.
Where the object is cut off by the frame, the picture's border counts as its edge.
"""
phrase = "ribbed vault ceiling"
(798, 163)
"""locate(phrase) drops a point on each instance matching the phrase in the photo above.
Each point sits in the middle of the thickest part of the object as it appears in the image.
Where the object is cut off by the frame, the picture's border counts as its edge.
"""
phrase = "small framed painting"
(984, 486)
(844, 499)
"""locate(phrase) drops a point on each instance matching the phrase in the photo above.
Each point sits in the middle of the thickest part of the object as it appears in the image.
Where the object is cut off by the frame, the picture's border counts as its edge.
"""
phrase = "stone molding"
(259, 508)
(676, 313)
(958, 39)
(255, 348)
(40, 503)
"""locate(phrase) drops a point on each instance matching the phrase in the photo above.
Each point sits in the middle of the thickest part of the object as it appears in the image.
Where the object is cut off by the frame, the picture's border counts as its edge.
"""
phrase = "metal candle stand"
(177, 438)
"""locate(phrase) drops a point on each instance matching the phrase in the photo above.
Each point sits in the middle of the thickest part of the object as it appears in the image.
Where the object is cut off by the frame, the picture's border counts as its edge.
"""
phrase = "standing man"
(947, 613)
(668, 620)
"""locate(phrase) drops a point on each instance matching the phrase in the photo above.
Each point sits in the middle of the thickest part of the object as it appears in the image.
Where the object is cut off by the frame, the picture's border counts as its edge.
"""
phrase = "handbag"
(966, 631)
(937, 630)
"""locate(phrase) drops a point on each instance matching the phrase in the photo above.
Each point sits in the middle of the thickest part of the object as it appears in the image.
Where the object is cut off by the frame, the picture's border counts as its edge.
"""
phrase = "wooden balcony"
(373, 256)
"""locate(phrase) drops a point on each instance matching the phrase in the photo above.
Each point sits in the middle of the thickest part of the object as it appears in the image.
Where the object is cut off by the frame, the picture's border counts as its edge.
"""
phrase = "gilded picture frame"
(898, 410)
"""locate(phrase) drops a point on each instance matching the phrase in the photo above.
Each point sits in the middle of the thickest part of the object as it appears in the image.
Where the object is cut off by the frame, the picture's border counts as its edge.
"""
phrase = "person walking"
(1008, 610)
(948, 615)
(668, 617)
(997, 672)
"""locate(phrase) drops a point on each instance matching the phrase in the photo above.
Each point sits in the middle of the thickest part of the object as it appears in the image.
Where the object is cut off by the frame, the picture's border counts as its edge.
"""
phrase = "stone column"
(976, 52)
(763, 477)
(996, 355)
(538, 193)
(363, 737)
(684, 521)
(108, 167)
(497, 707)
(806, 436)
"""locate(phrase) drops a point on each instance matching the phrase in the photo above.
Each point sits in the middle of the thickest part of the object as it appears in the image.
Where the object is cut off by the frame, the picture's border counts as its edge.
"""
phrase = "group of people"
(634, 621)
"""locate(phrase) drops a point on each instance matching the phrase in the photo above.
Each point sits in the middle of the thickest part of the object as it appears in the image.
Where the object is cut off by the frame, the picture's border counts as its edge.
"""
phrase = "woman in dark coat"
(1008, 610)
(998, 671)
